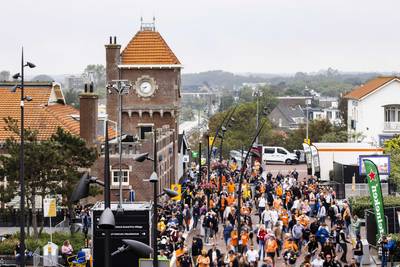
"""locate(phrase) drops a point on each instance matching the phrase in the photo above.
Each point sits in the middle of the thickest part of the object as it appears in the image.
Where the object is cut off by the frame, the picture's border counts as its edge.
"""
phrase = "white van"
(278, 154)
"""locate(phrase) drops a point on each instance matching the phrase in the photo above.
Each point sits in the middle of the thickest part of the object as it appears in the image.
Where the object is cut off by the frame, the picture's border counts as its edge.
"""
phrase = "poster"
(382, 162)
(49, 207)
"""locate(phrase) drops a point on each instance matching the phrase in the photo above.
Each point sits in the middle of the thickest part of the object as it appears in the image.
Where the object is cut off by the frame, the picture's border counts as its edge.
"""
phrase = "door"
(269, 154)
(281, 155)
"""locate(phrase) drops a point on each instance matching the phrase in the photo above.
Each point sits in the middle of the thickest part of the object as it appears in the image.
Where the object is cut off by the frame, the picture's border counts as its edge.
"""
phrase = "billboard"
(382, 162)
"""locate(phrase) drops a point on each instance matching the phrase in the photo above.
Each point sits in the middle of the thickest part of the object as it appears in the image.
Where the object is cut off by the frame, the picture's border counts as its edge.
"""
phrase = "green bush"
(77, 241)
(360, 204)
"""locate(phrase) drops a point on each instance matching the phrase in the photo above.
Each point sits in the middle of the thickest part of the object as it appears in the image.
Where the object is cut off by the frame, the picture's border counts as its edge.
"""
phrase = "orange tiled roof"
(38, 114)
(148, 48)
(370, 86)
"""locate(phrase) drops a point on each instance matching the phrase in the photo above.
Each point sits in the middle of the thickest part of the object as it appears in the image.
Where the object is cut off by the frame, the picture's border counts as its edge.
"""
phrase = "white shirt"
(266, 215)
(274, 216)
(317, 262)
(252, 255)
(261, 202)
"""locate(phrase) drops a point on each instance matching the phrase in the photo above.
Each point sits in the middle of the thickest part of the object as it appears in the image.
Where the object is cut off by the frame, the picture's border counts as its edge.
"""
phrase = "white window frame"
(114, 174)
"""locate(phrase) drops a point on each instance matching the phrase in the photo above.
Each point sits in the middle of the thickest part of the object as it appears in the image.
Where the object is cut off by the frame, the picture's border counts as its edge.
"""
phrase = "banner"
(210, 140)
(177, 188)
(49, 207)
(375, 191)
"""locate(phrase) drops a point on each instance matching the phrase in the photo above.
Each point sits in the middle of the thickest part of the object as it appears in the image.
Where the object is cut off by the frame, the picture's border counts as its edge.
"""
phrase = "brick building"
(153, 102)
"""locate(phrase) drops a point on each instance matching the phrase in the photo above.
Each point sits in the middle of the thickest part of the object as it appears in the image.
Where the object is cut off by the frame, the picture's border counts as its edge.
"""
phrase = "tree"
(42, 78)
(73, 155)
(242, 130)
(72, 97)
(97, 72)
(4, 75)
(39, 160)
(392, 147)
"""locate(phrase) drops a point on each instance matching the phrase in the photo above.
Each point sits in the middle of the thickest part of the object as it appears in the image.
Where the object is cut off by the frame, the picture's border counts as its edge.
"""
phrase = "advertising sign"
(382, 162)
(307, 153)
(375, 191)
(315, 159)
(49, 207)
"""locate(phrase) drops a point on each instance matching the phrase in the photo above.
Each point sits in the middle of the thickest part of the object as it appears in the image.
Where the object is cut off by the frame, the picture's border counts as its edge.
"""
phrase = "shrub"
(360, 204)
(77, 241)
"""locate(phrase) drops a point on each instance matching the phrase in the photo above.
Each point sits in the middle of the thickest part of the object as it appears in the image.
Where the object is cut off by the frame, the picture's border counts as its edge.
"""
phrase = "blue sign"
(382, 162)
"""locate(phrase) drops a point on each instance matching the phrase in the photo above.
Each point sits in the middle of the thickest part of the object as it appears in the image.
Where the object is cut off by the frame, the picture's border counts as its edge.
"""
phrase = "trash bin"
(50, 254)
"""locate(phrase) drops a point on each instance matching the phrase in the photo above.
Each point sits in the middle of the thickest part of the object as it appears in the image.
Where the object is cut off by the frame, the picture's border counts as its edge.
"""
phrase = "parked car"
(278, 154)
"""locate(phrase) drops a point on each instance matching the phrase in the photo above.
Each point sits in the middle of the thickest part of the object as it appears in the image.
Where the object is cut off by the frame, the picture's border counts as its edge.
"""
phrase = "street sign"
(185, 158)
(210, 140)
(195, 154)
(49, 207)
(307, 141)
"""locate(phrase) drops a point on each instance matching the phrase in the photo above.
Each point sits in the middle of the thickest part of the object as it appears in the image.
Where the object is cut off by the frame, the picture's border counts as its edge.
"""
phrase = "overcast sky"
(272, 36)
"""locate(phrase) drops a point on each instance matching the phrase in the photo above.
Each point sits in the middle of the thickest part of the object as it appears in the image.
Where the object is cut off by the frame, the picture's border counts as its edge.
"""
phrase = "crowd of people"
(284, 218)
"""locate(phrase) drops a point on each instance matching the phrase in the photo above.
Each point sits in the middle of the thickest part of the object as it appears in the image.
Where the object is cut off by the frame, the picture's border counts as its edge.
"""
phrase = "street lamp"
(257, 93)
(121, 87)
(242, 170)
(107, 220)
(21, 154)
(308, 103)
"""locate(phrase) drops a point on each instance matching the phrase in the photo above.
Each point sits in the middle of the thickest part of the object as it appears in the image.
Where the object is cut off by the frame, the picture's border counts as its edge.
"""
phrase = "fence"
(392, 223)
(39, 260)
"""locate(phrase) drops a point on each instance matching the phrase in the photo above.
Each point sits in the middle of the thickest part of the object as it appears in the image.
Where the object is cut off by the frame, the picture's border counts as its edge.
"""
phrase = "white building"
(374, 110)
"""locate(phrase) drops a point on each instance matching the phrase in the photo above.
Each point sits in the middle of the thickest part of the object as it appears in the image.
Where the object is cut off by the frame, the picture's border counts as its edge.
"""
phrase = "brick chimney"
(88, 115)
(112, 59)
(113, 54)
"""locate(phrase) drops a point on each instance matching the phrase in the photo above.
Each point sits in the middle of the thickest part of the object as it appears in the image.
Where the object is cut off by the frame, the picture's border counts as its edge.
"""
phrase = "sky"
(265, 36)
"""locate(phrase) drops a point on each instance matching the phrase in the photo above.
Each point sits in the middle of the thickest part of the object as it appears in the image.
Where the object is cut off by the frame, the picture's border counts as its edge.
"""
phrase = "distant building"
(374, 110)
(74, 82)
(287, 117)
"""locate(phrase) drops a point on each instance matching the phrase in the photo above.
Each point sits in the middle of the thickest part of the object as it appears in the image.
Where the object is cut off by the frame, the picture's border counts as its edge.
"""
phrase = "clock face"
(146, 88)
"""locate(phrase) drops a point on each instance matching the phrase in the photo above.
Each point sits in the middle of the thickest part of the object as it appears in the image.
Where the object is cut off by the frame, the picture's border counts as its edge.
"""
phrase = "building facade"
(152, 104)
(374, 110)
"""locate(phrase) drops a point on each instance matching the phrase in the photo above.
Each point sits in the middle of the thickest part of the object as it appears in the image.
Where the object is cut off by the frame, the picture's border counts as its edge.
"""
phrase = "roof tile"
(148, 48)
(370, 86)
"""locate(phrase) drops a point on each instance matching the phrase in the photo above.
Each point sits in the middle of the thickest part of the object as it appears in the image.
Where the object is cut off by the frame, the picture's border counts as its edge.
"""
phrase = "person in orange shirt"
(244, 238)
(234, 239)
(304, 220)
(289, 244)
(284, 217)
(230, 199)
(270, 247)
(203, 260)
(231, 187)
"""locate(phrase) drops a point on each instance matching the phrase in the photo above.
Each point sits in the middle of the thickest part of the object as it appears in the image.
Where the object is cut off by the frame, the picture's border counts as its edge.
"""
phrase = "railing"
(391, 126)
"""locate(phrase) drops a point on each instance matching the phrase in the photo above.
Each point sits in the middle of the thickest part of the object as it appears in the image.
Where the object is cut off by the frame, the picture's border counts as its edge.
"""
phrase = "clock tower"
(154, 72)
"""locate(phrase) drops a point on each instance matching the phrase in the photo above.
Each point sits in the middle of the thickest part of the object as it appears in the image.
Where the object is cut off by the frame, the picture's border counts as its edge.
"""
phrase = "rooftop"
(148, 47)
(369, 87)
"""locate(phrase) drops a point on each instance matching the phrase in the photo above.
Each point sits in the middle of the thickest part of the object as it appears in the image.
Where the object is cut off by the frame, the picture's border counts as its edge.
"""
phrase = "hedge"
(360, 204)
(77, 241)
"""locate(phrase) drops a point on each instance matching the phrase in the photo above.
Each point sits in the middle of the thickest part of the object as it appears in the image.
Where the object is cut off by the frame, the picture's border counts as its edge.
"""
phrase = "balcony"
(391, 126)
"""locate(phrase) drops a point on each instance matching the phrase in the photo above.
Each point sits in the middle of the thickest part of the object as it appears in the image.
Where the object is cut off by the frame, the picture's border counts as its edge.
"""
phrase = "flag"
(210, 140)
(177, 188)
(375, 191)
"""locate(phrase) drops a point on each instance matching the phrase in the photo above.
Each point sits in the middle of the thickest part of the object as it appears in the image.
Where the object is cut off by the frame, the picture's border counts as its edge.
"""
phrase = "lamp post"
(199, 173)
(121, 87)
(308, 103)
(154, 181)
(242, 170)
(21, 155)
(257, 93)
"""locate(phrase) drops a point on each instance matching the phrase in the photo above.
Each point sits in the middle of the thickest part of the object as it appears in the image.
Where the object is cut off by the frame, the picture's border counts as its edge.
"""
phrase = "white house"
(374, 110)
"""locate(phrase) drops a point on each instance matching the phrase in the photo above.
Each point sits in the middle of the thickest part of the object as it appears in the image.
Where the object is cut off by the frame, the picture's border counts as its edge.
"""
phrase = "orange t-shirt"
(271, 246)
(289, 245)
(231, 187)
(245, 238)
(284, 218)
(234, 238)
(303, 220)
(230, 199)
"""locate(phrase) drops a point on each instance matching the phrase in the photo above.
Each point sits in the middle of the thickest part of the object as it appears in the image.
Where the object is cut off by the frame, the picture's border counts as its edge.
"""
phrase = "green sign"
(375, 191)
(195, 154)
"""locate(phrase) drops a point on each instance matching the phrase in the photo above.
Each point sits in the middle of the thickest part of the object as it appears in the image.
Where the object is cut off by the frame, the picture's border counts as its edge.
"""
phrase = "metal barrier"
(36, 257)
